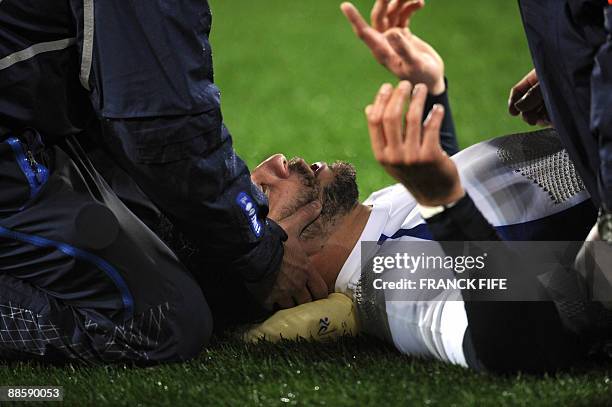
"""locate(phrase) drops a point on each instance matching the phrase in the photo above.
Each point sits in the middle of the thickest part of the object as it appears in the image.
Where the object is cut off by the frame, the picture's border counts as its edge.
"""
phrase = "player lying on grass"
(433, 325)
(523, 185)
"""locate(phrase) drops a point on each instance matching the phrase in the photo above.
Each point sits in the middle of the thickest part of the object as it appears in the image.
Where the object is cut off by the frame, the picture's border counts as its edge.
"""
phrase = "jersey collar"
(351, 270)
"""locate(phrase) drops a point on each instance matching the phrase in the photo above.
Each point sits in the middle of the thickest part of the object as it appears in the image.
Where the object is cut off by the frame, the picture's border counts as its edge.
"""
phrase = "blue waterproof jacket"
(137, 75)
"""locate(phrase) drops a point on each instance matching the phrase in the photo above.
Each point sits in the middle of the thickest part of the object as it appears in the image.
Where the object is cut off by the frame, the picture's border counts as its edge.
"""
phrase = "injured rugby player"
(524, 185)
(434, 325)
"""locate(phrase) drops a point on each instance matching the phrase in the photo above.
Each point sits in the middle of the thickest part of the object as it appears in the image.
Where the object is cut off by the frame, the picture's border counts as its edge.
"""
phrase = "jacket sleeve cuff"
(263, 265)
(441, 99)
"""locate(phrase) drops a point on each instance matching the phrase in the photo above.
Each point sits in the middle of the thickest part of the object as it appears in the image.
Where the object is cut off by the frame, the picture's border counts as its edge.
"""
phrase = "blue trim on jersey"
(572, 224)
(35, 179)
(420, 232)
(126, 296)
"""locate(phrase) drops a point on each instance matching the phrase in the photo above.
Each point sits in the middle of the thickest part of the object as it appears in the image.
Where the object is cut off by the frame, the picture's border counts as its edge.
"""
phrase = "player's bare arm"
(408, 149)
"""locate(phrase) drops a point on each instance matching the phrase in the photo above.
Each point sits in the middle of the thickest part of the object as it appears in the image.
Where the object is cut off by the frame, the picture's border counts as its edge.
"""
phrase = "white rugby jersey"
(524, 184)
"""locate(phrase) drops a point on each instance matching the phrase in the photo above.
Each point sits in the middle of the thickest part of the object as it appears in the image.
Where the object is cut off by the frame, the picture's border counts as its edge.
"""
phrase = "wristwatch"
(604, 225)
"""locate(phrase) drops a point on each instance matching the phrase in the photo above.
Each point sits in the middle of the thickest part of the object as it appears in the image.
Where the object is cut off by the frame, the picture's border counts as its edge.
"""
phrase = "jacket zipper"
(35, 173)
(33, 164)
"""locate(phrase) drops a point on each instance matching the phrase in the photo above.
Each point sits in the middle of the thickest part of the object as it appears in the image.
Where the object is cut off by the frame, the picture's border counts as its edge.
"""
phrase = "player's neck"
(332, 256)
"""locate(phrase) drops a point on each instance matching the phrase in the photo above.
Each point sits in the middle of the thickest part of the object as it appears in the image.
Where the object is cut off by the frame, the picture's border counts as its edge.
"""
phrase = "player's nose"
(273, 168)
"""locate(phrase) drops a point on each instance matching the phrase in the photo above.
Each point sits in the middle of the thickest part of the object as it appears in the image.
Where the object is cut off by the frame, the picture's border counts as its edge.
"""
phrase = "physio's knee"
(194, 324)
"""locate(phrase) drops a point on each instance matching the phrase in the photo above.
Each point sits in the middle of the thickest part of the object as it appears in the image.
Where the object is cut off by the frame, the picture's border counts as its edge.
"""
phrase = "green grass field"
(295, 80)
(352, 372)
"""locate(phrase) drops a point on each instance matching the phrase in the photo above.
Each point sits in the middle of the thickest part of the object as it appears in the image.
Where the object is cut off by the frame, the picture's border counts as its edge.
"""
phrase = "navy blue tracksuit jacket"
(138, 76)
(571, 47)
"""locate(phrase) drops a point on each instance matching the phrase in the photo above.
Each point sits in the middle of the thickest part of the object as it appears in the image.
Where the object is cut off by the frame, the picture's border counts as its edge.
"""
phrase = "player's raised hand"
(408, 149)
(297, 282)
(395, 46)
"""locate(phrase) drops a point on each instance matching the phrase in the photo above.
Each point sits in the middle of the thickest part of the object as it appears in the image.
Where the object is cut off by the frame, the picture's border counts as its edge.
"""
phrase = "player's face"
(290, 184)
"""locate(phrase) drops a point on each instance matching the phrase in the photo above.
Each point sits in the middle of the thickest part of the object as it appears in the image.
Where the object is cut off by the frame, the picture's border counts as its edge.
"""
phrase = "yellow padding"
(321, 320)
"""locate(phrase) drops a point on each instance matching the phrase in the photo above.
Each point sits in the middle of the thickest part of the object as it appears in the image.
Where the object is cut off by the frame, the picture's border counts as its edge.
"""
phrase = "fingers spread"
(376, 137)
(372, 38)
(407, 11)
(393, 11)
(384, 94)
(379, 15)
(393, 119)
(354, 17)
(414, 117)
(375, 117)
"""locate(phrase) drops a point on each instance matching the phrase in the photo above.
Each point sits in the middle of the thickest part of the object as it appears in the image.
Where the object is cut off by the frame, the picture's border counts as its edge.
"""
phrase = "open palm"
(393, 44)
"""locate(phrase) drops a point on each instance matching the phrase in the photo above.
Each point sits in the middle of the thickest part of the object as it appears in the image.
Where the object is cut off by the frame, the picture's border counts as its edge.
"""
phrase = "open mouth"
(317, 167)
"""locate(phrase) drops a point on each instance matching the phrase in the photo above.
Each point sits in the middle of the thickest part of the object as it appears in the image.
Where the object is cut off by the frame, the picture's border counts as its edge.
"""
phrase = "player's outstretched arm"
(394, 45)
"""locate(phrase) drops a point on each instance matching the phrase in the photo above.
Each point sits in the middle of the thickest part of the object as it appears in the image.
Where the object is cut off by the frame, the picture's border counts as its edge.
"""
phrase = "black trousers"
(505, 335)
(81, 277)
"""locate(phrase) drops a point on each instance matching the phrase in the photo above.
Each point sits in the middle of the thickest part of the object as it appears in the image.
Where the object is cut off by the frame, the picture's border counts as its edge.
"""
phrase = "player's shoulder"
(384, 194)
(398, 205)
(394, 196)
(527, 146)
